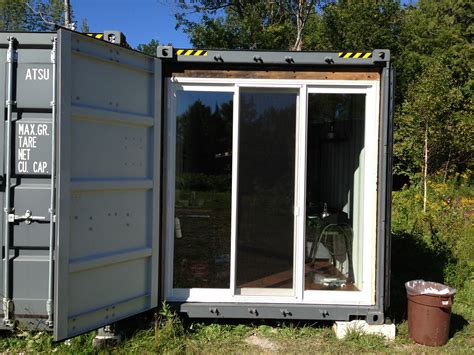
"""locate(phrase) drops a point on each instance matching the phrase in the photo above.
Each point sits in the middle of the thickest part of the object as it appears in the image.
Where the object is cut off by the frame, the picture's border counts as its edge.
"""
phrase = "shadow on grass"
(458, 323)
(413, 259)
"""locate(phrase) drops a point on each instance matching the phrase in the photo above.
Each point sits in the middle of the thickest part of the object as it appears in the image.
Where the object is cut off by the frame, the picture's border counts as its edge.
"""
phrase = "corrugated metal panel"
(24, 268)
(108, 183)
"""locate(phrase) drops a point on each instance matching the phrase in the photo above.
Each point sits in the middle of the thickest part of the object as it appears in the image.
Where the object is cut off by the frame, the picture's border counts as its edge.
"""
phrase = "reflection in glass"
(266, 189)
(203, 189)
(334, 203)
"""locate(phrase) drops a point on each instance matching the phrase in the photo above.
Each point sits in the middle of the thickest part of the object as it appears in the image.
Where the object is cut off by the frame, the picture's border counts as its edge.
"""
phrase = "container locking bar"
(52, 208)
(27, 217)
(7, 303)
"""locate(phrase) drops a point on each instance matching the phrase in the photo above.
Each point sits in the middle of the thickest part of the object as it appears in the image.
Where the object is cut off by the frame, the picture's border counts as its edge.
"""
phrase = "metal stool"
(327, 238)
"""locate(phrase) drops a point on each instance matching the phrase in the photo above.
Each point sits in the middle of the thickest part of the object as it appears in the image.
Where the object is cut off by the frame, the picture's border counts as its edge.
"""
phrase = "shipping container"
(230, 184)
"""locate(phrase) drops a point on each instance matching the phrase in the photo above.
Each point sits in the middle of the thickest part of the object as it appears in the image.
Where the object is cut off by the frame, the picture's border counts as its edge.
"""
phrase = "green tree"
(31, 15)
(432, 132)
(148, 48)
(442, 28)
(358, 25)
(12, 15)
(244, 24)
(435, 120)
(85, 26)
(48, 14)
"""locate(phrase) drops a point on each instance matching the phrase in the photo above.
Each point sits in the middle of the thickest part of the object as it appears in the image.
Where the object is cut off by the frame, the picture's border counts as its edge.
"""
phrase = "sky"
(140, 20)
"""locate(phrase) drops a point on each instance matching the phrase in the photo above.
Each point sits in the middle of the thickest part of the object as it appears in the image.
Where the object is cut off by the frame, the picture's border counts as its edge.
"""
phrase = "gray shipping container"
(92, 236)
(94, 107)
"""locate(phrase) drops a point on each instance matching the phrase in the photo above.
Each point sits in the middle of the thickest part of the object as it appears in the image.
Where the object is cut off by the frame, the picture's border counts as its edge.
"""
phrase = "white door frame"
(366, 296)
(371, 90)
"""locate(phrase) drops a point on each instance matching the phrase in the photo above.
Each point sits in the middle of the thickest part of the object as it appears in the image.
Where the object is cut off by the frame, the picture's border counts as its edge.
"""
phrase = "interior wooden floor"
(284, 279)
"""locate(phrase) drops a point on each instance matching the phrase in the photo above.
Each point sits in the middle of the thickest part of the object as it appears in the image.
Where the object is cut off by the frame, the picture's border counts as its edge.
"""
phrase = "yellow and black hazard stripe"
(123, 43)
(355, 55)
(96, 35)
(192, 52)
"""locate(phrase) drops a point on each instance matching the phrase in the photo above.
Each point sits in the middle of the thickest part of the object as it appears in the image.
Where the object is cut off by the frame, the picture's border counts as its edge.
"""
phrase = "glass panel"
(266, 189)
(334, 203)
(203, 189)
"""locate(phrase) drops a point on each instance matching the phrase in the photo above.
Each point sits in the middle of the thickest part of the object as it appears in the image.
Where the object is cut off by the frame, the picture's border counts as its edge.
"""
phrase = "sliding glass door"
(266, 191)
(340, 195)
(270, 191)
(202, 191)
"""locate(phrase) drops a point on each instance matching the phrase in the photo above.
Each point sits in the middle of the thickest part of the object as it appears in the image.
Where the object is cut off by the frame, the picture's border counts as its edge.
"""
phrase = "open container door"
(108, 184)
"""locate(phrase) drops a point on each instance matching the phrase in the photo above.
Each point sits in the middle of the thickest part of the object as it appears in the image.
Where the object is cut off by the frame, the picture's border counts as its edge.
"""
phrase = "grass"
(169, 334)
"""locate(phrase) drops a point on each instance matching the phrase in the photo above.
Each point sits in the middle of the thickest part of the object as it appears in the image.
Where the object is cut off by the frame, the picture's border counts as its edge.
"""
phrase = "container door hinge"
(49, 311)
(8, 308)
(52, 213)
(12, 55)
(27, 217)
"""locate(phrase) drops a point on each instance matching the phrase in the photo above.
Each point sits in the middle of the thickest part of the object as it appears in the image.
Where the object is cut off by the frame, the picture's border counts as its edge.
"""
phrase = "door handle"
(27, 217)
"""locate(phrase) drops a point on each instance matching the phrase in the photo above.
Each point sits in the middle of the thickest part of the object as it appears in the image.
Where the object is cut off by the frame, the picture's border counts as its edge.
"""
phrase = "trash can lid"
(422, 287)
